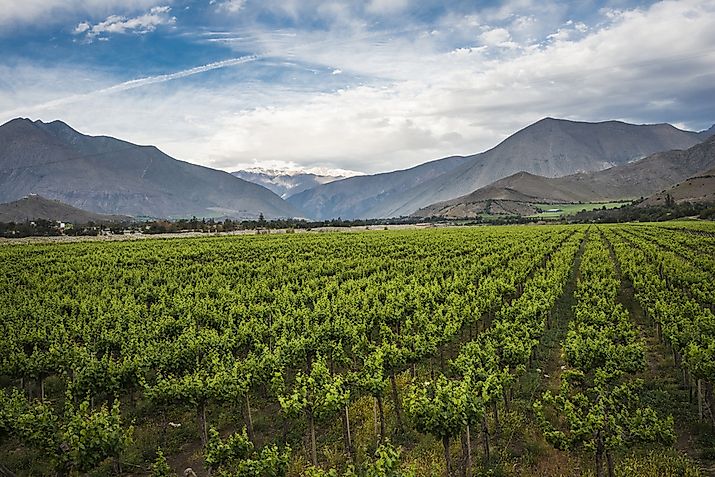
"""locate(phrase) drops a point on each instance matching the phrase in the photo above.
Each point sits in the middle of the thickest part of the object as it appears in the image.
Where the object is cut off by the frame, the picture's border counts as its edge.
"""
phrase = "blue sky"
(369, 86)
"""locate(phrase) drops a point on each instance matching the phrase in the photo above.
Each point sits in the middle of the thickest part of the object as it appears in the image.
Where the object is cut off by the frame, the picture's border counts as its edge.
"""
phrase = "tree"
(93, 436)
(394, 359)
(235, 383)
(478, 364)
(12, 405)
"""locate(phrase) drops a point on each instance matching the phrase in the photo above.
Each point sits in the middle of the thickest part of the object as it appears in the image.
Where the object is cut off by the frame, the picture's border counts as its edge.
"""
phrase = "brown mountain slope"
(699, 188)
(35, 207)
(630, 181)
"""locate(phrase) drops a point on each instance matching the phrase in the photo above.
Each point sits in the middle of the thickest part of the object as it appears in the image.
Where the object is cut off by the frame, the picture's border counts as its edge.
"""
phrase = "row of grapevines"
(486, 367)
(698, 251)
(305, 321)
(101, 325)
(392, 349)
(680, 320)
(597, 406)
(690, 226)
(677, 270)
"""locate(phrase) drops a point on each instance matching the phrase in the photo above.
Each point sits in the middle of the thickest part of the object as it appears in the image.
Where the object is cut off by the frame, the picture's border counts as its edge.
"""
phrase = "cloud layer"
(374, 86)
(21, 13)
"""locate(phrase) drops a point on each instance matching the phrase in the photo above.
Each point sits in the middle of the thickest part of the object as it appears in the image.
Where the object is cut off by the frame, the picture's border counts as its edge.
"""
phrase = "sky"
(368, 86)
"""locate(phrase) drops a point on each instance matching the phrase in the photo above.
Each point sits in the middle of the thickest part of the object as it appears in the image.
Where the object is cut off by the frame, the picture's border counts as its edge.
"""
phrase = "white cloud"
(15, 13)
(420, 97)
(580, 27)
(497, 37)
(228, 6)
(82, 27)
(568, 31)
(386, 6)
(145, 23)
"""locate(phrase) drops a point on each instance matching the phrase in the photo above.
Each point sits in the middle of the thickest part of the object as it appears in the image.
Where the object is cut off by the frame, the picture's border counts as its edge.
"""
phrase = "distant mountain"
(35, 207)
(288, 182)
(358, 196)
(638, 179)
(550, 147)
(106, 175)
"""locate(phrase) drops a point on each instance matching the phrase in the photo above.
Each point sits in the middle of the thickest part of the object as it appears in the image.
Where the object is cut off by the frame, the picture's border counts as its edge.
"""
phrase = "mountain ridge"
(322, 200)
(107, 175)
(552, 147)
(634, 180)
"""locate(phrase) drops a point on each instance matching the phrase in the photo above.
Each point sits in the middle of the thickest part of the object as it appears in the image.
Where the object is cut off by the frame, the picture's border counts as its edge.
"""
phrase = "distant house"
(554, 210)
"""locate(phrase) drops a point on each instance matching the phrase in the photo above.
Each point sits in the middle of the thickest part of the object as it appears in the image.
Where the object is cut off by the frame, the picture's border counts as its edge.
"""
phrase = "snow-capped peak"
(282, 168)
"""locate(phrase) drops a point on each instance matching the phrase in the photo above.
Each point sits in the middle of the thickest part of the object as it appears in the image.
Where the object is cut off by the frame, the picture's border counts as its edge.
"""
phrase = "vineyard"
(517, 350)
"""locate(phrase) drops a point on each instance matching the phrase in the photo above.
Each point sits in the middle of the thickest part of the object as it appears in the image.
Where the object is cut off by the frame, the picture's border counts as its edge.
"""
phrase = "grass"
(570, 209)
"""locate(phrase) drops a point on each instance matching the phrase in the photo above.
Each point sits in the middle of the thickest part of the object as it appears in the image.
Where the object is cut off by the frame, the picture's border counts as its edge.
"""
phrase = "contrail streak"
(137, 83)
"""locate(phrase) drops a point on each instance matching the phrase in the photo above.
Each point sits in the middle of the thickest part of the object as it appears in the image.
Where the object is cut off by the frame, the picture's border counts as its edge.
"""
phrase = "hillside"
(550, 148)
(630, 181)
(699, 188)
(109, 176)
(37, 207)
(355, 197)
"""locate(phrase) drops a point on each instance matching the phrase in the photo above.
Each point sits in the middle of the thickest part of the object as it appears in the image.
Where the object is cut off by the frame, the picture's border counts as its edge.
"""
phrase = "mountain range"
(520, 192)
(106, 175)
(365, 196)
(288, 182)
(549, 147)
(552, 160)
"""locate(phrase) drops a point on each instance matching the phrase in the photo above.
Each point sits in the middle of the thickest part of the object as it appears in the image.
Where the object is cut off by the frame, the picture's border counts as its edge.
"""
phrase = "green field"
(501, 351)
(570, 209)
